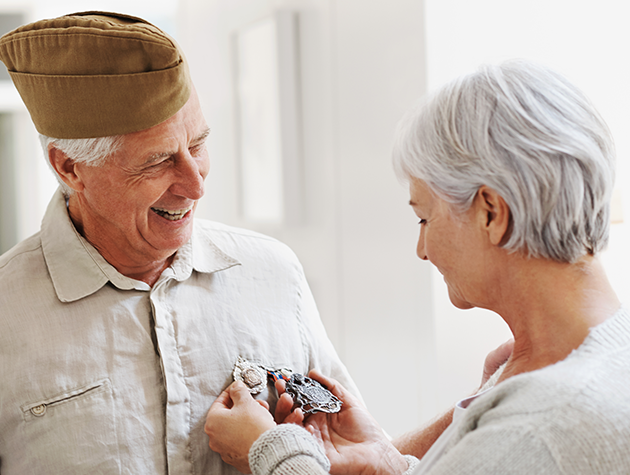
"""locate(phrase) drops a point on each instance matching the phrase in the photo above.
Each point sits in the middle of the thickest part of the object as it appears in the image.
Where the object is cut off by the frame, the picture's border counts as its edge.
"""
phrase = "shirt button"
(39, 411)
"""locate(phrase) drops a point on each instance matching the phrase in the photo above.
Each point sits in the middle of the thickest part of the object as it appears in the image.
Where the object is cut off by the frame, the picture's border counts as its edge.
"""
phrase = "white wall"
(362, 64)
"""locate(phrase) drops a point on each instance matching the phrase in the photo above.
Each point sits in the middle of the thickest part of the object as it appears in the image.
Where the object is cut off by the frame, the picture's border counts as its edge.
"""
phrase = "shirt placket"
(177, 408)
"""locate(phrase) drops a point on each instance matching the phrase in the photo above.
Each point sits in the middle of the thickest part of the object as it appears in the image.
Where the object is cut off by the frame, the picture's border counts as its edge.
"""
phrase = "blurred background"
(303, 97)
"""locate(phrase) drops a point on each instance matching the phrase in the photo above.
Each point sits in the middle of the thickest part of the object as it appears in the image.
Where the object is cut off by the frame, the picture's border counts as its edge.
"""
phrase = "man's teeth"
(172, 215)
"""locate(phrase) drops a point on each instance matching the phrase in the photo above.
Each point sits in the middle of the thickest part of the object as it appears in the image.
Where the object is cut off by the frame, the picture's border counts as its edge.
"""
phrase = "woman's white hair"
(93, 152)
(529, 134)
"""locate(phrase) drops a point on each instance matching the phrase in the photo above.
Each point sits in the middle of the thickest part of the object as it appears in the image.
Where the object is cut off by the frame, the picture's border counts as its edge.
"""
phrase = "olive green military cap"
(95, 74)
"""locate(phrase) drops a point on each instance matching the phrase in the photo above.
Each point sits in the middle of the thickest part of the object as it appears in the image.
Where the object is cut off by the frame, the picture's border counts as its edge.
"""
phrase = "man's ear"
(495, 215)
(65, 168)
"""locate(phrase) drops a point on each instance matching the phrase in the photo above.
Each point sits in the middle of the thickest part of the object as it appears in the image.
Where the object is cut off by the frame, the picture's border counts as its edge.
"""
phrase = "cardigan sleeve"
(290, 449)
(287, 448)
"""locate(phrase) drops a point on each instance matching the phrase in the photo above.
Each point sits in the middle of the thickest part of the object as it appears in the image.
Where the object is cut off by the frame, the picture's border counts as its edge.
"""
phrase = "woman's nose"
(420, 248)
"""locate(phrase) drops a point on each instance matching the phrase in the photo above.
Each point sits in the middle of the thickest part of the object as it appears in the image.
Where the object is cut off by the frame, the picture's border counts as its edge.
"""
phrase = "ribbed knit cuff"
(284, 442)
(413, 463)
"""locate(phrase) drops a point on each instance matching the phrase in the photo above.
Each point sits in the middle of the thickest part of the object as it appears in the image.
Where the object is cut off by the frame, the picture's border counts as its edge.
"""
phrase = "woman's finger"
(281, 386)
(333, 386)
(284, 406)
(296, 417)
(263, 403)
(223, 401)
(240, 393)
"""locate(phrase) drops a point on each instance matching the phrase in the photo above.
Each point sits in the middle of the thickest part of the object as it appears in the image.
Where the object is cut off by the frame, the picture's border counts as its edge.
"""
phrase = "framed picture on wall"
(268, 119)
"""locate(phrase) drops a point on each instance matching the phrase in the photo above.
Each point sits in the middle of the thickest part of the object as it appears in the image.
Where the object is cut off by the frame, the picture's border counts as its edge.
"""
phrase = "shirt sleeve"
(287, 449)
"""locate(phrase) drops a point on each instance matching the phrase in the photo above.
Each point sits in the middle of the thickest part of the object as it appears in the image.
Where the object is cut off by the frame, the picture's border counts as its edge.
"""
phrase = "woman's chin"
(459, 302)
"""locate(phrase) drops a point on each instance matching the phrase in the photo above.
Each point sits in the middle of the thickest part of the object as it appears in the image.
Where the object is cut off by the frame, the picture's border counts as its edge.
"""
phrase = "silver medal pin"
(307, 393)
(254, 376)
(311, 396)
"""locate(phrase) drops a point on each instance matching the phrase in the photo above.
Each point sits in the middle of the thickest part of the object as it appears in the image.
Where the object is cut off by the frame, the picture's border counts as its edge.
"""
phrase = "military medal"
(307, 393)
(254, 376)
(311, 396)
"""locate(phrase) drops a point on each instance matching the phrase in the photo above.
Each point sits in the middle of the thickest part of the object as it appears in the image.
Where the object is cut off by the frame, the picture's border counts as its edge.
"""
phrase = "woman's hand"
(286, 412)
(234, 422)
(352, 440)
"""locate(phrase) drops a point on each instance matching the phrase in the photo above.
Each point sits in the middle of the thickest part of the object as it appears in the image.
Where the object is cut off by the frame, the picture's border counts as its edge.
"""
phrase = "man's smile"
(172, 215)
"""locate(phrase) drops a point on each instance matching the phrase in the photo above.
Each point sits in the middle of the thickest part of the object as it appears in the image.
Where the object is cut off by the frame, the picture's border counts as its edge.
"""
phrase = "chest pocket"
(73, 429)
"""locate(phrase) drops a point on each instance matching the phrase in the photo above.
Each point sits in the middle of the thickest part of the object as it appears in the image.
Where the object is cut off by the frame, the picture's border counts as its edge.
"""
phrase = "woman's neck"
(552, 308)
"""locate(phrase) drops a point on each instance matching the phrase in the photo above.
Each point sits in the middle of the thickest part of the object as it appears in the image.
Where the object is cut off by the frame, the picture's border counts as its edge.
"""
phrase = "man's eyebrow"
(202, 136)
(156, 157)
(412, 203)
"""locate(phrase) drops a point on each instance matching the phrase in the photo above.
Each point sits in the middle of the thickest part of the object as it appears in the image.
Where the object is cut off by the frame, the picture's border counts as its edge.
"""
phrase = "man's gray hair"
(93, 152)
(529, 134)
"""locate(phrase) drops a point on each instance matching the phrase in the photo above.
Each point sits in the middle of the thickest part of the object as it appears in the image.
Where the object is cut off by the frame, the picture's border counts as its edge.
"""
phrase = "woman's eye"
(422, 221)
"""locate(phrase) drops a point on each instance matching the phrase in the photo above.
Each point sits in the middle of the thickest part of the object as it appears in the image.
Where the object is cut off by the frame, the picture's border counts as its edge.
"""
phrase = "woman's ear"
(65, 168)
(495, 213)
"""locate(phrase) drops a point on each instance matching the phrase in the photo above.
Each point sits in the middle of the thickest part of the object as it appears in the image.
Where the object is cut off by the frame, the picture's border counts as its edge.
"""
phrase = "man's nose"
(192, 172)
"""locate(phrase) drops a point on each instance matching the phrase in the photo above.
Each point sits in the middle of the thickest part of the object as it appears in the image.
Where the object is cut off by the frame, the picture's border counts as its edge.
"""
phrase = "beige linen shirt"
(100, 373)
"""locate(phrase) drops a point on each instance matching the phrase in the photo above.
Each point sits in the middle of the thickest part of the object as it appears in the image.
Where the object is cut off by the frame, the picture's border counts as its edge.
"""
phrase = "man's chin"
(169, 243)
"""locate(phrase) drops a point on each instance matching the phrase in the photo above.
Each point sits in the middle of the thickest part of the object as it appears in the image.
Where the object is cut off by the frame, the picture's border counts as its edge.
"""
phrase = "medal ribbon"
(276, 374)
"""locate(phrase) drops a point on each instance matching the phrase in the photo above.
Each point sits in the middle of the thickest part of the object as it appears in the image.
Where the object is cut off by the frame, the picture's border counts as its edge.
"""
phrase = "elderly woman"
(510, 172)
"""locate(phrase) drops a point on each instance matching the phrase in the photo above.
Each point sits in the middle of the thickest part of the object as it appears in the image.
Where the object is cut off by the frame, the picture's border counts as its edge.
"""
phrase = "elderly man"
(122, 319)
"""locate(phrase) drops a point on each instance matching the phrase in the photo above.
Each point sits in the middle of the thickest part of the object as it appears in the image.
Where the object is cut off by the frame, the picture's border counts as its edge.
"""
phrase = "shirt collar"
(77, 270)
(201, 254)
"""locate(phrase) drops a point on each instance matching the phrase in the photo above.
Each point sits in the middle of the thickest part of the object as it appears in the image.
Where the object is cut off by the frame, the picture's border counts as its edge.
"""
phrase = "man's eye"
(422, 221)
(196, 149)
(156, 165)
